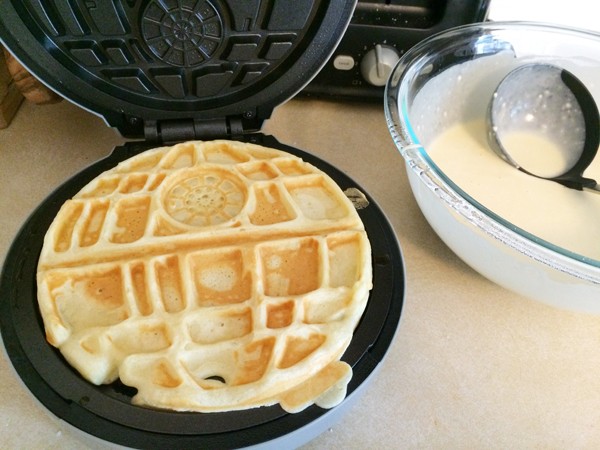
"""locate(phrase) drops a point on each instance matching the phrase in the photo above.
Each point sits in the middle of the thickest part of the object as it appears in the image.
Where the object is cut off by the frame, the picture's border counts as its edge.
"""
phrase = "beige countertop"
(472, 365)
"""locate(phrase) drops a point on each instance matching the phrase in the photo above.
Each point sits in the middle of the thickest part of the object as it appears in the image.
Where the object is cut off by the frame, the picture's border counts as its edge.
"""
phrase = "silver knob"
(377, 64)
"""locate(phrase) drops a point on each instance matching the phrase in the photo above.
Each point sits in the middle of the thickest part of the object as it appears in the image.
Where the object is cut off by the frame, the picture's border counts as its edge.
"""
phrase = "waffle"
(210, 276)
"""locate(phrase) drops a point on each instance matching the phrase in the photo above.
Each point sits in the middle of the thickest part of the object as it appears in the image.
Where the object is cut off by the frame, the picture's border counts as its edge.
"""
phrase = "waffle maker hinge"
(171, 131)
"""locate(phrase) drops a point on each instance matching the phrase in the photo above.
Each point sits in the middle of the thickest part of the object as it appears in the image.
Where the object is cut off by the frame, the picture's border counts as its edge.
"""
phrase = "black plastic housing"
(106, 411)
(135, 62)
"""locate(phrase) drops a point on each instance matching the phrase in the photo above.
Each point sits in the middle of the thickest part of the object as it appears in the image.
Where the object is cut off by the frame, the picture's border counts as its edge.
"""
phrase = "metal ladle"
(544, 121)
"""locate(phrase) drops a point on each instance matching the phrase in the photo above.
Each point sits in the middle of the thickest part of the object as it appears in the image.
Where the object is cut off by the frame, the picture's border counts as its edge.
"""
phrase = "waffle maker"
(160, 72)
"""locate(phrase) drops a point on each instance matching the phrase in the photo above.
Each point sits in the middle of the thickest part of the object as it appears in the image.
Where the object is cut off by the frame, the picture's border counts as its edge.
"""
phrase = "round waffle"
(210, 276)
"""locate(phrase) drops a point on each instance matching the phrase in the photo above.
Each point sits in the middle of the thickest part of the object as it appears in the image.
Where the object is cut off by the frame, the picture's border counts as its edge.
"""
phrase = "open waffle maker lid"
(145, 64)
(165, 71)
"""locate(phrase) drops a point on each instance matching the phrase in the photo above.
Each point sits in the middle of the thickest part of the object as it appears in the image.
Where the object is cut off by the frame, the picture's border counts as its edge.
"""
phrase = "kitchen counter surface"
(472, 365)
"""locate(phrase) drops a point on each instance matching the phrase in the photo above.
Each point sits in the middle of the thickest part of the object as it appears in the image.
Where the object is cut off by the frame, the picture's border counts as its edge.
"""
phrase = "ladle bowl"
(544, 121)
(533, 236)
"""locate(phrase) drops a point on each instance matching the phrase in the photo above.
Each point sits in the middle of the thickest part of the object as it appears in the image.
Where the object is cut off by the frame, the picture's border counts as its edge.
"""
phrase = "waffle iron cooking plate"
(220, 76)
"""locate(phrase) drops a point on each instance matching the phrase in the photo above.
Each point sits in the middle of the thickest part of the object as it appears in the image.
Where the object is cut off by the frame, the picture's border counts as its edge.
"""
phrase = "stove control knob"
(377, 64)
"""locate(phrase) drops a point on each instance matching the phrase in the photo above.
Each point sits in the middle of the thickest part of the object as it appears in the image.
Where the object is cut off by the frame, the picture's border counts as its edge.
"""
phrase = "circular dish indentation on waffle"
(203, 197)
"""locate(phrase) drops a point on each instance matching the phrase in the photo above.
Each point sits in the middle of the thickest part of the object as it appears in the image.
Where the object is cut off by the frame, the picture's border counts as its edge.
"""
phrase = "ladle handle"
(579, 183)
(574, 177)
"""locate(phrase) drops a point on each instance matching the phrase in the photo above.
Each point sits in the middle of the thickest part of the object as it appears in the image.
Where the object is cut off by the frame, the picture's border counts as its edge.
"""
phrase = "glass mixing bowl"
(532, 236)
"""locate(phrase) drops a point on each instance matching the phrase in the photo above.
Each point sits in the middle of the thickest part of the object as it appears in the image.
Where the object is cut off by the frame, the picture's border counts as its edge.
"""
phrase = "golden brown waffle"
(210, 276)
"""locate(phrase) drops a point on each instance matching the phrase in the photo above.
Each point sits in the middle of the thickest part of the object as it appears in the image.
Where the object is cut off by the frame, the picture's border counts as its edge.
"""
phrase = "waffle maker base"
(106, 411)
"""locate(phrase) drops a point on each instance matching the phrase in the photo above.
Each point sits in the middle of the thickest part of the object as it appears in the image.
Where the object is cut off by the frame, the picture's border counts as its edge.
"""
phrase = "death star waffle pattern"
(210, 276)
